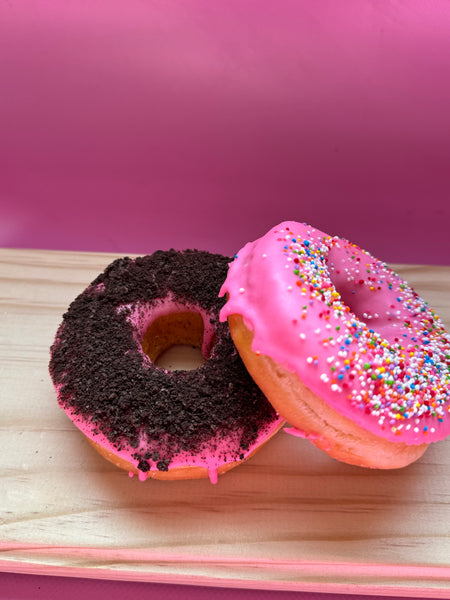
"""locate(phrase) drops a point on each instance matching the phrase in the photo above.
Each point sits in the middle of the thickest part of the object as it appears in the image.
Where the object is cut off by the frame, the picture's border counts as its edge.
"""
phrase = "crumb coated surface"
(99, 371)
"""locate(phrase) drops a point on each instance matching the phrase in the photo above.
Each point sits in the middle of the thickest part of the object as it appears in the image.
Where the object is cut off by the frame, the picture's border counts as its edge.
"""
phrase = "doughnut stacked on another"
(150, 421)
(342, 347)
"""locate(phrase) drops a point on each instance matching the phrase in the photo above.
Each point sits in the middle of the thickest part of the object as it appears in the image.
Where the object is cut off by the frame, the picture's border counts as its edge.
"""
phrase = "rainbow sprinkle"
(390, 352)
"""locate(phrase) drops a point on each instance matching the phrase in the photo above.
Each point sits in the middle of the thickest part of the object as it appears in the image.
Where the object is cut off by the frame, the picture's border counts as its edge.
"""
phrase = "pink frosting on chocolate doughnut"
(353, 330)
(211, 458)
(104, 366)
(213, 455)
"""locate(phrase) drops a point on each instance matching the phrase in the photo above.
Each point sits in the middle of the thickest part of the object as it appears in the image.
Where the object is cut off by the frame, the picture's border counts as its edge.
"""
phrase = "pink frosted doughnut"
(343, 348)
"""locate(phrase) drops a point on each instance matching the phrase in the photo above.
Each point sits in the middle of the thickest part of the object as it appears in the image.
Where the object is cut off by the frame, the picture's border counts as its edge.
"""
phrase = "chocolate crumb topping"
(98, 366)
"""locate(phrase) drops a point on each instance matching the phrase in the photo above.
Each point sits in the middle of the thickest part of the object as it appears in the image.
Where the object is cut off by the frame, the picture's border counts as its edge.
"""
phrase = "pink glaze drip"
(142, 476)
(213, 475)
(312, 437)
(356, 334)
(210, 458)
(301, 434)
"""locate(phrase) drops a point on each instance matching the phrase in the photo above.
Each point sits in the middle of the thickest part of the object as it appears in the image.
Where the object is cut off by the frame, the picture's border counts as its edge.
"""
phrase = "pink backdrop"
(134, 125)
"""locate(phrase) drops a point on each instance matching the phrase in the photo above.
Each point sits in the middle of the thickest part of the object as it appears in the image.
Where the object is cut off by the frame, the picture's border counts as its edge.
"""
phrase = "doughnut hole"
(175, 341)
(372, 303)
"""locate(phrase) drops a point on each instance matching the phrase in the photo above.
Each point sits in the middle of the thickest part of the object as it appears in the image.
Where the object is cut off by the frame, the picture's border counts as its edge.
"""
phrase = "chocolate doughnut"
(148, 420)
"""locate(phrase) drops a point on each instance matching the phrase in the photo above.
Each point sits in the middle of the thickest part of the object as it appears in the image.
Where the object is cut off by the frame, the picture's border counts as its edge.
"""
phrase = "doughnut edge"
(176, 473)
(323, 426)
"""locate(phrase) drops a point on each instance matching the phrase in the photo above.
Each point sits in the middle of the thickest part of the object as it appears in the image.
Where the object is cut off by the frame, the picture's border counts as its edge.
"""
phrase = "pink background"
(132, 125)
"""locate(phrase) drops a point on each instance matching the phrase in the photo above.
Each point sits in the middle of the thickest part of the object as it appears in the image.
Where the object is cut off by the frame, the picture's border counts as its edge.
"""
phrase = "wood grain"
(291, 518)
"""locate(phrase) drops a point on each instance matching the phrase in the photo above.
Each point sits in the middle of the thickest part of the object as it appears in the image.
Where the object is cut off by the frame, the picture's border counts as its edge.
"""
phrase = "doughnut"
(150, 421)
(345, 350)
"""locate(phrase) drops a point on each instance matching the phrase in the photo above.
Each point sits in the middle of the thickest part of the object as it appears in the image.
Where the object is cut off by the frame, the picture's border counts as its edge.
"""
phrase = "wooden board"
(291, 518)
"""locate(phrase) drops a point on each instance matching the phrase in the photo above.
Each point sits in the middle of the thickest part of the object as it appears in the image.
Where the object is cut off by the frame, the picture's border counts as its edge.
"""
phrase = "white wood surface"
(291, 518)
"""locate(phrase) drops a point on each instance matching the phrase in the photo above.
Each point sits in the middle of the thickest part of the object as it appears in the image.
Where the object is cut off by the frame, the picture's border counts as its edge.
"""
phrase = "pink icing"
(142, 316)
(213, 455)
(356, 334)
(312, 437)
(219, 450)
(301, 433)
